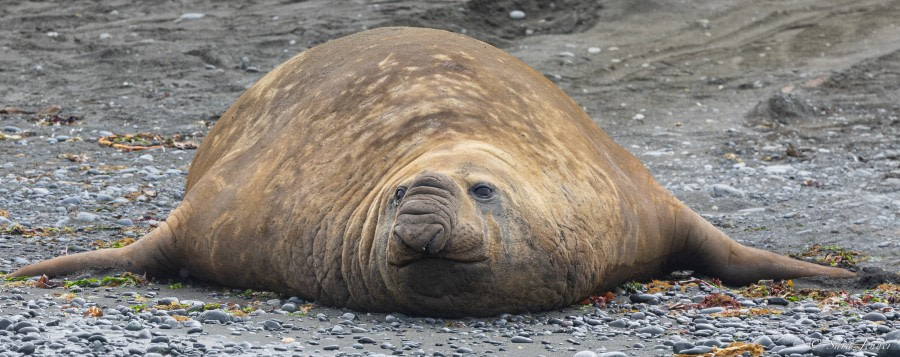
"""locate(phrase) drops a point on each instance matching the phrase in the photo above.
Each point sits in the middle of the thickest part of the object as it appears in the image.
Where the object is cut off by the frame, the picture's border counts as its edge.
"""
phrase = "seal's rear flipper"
(704, 248)
(148, 255)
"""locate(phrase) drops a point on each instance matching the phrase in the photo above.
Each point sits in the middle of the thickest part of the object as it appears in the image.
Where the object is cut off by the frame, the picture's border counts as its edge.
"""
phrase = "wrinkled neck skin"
(440, 250)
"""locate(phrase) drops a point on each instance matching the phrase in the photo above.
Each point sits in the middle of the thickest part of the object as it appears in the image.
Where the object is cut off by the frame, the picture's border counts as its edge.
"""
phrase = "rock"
(712, 310)
(40, 191)
(521, 339)
(620, 323)
(86, 217)
(273, 325)
(215, 315)
(778, 301)
(874, 316)
(585, 354)
(613, 354)
(103, 198)
(778, 169)
(167, 301)
(653, 330)
(26, 348)
(69, 201)
(798, 349)
(680, 346)
(788, 340)
(764, 341)
(517, 14)
(893, 335)
(698, 350)
(644, 298)
(191, 16)
(289, 307)
(134, 326)
(889, 349)
(721, 190)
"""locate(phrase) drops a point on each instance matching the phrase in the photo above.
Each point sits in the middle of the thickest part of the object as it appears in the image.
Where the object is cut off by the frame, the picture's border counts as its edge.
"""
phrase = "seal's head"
(462, 236)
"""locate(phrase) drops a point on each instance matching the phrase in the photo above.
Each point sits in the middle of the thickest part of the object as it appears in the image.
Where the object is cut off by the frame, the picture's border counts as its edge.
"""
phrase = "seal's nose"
(420, 237)
(427, 214)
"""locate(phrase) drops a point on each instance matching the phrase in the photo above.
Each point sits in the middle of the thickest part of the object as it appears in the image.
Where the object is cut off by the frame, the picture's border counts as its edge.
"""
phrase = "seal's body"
(422, 171)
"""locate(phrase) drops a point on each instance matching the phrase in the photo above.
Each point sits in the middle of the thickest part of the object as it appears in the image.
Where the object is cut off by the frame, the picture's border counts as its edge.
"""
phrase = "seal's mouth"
(409, 260)
(440, 277)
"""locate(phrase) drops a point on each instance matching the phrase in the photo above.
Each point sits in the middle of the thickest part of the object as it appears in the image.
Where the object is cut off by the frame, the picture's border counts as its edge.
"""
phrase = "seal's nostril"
(426, 238)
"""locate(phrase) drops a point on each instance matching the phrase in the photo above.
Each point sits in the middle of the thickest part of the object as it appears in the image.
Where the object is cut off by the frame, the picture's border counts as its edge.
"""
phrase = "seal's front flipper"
(148, 255)
(702, 247)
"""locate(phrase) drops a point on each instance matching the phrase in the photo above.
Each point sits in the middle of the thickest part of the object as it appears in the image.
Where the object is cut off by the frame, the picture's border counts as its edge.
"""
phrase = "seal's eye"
(482, 191)
(400, 192)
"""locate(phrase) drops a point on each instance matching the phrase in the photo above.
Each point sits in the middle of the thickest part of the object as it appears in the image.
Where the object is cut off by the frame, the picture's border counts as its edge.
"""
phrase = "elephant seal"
(424, 172)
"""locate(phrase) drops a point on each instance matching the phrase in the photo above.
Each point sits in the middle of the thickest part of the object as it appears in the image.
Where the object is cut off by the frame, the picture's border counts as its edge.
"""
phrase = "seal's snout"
(426, 217)
(425, 238)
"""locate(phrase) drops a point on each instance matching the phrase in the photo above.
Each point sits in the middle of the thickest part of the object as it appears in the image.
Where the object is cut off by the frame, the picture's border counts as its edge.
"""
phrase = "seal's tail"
(150, 254)
(706, 249)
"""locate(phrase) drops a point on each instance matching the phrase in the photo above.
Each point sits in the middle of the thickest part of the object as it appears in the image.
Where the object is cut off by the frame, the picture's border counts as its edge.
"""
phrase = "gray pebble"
(585, 354)
(26, 348)
(778, 301)
(894, 335)
(644, 298)
(874, 316)
(799, 349)
(679, 346)
(517, 14)
(134, 326)
(712, 310)
(273, 325)
(721, 190)
(889, 349)
(289, 307)
(620, 323)
(521, 339)
(653, 330)
(215, 315)
(124, 222)
(103, 198)
(86, 217)
(613, 354)
(69, 201)
(12, 129)
(765, 341)
(167, 301)
(697, 350)
(788, 340)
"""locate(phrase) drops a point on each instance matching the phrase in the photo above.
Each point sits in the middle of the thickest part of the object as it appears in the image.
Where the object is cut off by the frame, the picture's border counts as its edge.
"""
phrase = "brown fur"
(294, 190)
